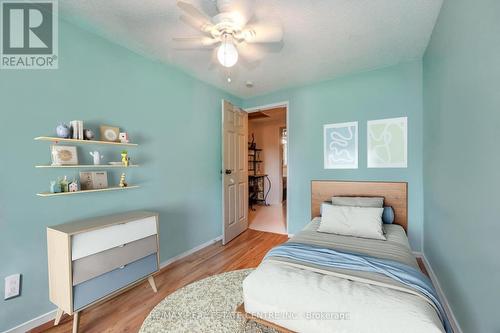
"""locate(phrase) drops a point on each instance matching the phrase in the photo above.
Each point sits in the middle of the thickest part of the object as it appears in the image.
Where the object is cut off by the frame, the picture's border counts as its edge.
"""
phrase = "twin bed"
(328, 282)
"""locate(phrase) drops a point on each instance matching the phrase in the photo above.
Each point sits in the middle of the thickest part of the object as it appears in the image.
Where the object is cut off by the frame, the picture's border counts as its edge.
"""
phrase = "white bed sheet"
(308, 301)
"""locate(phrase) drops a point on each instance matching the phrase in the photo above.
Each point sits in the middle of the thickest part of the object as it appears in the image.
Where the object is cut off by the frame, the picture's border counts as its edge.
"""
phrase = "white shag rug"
(204, 306)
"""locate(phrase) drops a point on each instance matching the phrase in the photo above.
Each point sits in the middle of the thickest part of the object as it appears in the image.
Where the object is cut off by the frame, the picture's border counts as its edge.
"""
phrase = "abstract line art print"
(341, 145)
(388, 143)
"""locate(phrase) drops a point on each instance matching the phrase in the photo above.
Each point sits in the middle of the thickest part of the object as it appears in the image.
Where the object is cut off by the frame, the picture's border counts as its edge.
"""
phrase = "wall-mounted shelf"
(84, 166)
(94, 142)
(48, 194)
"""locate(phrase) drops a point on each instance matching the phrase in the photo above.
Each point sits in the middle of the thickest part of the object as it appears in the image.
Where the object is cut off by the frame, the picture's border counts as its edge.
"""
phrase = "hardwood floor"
(126, 312)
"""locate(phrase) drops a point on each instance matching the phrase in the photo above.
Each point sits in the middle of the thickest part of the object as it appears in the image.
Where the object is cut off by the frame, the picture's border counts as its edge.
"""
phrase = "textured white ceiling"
(323, 39)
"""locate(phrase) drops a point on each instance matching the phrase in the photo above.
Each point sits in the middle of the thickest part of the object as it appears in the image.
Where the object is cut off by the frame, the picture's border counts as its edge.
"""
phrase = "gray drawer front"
(97, 264)
(101, 286)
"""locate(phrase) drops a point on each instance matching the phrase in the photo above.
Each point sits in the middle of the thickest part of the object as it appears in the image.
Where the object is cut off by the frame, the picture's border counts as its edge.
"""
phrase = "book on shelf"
(77, 129)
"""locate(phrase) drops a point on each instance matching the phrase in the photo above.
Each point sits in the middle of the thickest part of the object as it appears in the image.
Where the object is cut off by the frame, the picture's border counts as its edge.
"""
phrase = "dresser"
(96, 259)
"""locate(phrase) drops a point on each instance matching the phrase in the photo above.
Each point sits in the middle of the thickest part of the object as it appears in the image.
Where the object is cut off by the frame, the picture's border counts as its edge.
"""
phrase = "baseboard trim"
(451, 316)
(33, 323)
(43, 319)
(189, 252)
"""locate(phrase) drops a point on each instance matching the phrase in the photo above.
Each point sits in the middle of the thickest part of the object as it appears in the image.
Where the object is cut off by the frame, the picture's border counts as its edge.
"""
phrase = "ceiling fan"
(229, 32)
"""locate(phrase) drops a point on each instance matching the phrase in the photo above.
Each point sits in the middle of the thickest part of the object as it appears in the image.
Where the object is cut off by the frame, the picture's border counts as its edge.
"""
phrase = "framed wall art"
(387, 143)
(340, 145)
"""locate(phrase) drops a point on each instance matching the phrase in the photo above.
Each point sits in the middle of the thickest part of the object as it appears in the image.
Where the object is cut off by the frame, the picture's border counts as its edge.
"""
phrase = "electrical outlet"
(12, 286)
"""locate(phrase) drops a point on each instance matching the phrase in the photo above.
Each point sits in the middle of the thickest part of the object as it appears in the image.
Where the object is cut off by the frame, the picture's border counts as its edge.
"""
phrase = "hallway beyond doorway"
(268, 218)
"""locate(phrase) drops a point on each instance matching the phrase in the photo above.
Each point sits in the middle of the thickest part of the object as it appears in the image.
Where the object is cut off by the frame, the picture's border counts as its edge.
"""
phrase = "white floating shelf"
(83, 166)
(95, 142)
(48, 194)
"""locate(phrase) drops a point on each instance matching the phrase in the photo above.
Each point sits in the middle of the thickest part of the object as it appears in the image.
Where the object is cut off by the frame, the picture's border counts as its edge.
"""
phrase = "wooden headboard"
(395, 195)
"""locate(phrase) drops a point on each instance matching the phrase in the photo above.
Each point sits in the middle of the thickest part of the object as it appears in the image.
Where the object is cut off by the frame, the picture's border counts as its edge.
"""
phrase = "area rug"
(204, 306)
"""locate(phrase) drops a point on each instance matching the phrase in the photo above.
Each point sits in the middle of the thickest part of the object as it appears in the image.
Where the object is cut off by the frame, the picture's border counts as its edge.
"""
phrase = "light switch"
(12, 285)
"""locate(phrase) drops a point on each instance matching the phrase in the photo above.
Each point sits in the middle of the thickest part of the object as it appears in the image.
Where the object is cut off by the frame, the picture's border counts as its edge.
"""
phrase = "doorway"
(268, 168)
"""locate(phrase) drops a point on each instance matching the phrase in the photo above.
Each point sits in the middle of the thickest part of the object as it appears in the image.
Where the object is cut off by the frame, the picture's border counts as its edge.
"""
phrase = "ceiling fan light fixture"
(227, 54)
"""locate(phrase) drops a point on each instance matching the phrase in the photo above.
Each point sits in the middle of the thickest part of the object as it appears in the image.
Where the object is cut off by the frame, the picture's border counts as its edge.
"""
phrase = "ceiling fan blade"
(201, 26)
(195, 14)
(195, 42)
(263, 33)
(241, 11)
(251, 53)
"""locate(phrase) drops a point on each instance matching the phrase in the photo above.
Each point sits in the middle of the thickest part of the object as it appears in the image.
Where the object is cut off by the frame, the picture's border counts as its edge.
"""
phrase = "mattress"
(318, 299)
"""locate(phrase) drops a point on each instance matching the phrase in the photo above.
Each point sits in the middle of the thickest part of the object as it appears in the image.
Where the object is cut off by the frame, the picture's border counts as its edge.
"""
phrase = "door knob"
(228, 171)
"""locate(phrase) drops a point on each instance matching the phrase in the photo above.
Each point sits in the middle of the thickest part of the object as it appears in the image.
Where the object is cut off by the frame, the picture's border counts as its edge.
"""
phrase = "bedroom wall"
(175, 119)
(384, 93)
(461, 159)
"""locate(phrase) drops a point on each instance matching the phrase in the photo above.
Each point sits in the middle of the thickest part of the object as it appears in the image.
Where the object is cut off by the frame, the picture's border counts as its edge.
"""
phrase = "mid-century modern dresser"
(95, 259)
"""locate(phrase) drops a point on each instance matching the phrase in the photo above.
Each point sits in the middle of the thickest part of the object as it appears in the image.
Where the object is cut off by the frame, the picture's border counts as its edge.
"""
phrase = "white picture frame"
(387, 143)
(64, 155)
(340, 145)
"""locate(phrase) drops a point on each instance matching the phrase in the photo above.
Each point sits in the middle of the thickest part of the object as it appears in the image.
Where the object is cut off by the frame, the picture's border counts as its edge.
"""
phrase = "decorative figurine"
(97, 157)
(123, 137)
(64, 184)
(88, 134)
(55, 186)
(63, 131)
(123, 183)
(73, 186)
(125, 158)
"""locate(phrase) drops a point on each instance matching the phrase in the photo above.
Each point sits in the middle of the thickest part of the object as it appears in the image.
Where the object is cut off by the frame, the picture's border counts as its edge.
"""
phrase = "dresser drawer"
(97, 264)
(87, 243)
(92, 290)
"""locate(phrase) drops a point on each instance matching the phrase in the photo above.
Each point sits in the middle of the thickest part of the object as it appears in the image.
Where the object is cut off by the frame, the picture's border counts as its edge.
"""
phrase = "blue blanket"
(405, 274)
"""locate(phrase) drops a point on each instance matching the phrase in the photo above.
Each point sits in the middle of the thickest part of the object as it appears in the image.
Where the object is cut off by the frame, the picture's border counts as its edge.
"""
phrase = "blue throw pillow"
(388, 215)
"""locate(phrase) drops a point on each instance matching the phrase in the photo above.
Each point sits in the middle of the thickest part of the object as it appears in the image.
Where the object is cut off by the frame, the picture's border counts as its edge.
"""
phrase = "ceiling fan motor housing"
(225, 24)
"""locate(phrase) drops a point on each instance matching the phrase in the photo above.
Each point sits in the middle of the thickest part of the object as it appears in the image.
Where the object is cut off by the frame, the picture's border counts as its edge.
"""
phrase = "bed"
(323, 282)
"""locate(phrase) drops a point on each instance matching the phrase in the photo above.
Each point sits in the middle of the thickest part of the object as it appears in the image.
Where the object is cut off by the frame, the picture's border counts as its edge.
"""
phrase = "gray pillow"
(375, 202)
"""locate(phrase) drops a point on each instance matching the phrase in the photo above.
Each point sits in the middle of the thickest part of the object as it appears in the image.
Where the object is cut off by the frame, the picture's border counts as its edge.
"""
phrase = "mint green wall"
(175, 118)
(384, 93)
(461, 159)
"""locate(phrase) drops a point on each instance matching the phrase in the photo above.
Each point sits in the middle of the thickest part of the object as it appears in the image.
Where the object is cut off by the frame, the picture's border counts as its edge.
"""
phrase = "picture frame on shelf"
(110, 133)
(64, 155)
(93, 180)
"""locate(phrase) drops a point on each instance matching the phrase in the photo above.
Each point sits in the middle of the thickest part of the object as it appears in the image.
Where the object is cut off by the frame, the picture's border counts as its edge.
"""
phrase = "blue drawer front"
(103, 285)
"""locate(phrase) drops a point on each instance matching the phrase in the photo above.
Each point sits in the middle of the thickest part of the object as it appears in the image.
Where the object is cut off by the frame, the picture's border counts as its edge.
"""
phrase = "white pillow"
(365, 222)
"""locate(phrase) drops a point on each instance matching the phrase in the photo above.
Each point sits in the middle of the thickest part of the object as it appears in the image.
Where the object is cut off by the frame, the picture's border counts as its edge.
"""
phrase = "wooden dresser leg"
(59, 315)
(151, 281)
(76, 319)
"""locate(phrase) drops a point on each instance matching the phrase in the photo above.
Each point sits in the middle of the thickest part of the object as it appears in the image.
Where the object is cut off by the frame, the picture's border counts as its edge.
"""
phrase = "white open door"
(235, 171)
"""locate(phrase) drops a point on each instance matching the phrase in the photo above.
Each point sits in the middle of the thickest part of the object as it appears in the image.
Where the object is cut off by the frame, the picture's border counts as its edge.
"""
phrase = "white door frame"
(265, 107)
